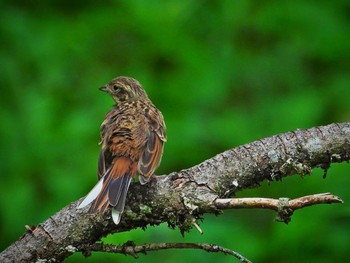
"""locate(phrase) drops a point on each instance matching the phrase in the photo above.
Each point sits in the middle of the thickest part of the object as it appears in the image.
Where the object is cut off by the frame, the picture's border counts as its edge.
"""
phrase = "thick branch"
(183, 196)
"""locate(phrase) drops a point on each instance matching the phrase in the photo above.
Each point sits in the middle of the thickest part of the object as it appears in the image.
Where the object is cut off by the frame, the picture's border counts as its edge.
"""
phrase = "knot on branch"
(284, 211)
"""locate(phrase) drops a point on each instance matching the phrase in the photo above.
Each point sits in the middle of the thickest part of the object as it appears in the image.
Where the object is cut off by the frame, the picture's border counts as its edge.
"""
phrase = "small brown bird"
(132, 138)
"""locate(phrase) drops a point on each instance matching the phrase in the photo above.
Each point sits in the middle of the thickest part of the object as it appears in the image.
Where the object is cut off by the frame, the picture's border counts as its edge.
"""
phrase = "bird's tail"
(112, 188)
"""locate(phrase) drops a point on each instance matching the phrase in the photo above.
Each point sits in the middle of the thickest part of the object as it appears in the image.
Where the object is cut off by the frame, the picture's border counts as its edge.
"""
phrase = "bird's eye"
(115, 87)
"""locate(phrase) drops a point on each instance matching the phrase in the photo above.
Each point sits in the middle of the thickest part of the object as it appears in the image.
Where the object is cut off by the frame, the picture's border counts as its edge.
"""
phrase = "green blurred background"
(224, 73)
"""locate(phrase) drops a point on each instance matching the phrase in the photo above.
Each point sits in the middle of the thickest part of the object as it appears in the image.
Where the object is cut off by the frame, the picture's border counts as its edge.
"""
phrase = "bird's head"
(124, 88)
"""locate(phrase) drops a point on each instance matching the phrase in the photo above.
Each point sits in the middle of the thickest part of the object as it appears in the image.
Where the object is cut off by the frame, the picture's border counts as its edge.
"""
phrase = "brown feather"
(115, 182)
(150, 157)
(101, 201)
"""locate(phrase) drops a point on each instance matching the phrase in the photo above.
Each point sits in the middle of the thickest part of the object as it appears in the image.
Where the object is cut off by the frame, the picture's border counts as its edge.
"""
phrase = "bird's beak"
(103, 88)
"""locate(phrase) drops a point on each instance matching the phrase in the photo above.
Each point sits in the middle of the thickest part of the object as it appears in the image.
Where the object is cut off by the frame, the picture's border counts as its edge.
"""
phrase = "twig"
(197, 227)
(283, 206)
(130, 248)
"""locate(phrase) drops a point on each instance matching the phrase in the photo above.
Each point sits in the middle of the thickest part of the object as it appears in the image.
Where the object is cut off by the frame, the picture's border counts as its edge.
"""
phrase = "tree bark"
(182, 197)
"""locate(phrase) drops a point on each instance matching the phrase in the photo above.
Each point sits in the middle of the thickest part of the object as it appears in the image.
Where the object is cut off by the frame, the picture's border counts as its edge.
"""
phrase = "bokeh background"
(224, 73)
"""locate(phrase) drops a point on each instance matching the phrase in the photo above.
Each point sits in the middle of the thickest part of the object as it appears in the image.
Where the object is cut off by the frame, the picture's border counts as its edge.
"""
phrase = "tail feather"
(101, 202)
(112, 188)
(121, 202)
(116, 215)
(117, 187)
(91, 196)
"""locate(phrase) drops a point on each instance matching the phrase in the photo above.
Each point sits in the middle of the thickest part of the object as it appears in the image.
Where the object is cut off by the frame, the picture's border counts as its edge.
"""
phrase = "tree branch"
(181, 197)
(130, 248)
(283, 206)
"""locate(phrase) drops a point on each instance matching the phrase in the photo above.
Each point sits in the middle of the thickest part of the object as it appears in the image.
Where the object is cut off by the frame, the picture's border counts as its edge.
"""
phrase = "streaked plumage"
(132, 138)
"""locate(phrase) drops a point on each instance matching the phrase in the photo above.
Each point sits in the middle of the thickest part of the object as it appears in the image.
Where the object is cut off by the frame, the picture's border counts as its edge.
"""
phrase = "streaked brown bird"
(132, 138)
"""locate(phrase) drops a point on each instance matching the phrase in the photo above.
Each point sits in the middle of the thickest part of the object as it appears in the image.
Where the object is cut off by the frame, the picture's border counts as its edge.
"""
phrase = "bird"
(132, 137)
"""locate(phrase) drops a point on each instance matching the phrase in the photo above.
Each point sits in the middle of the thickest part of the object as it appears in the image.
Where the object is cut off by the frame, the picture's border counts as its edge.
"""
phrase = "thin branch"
(284, 206)
(130, 248)
(325, 198)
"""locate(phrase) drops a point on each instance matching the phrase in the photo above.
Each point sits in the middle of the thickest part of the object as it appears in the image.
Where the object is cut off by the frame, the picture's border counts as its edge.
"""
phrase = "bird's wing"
(153, 150)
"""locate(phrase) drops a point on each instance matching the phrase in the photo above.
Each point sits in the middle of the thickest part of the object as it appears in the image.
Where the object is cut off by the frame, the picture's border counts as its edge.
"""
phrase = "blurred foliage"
(223, 73)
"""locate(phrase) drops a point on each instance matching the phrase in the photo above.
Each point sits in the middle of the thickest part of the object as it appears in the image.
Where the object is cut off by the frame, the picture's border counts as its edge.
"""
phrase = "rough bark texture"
(181, 197)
